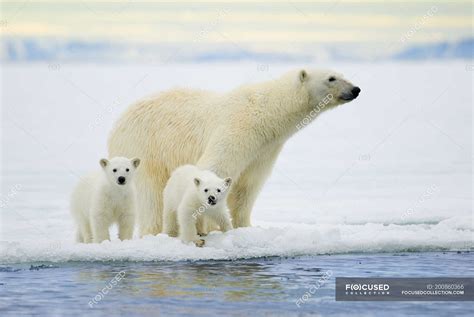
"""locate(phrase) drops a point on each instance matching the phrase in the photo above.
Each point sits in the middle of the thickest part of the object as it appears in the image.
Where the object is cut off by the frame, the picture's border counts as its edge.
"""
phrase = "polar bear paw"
(199, 243)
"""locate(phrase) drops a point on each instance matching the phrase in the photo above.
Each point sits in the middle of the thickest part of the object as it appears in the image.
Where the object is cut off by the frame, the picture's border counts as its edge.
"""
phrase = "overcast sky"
(269, 24)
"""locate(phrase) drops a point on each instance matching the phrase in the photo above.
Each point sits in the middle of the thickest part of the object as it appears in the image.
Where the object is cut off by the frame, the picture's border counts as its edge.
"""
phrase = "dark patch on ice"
(8, 269)
(41, 267)
(315, 269)
(410, 223)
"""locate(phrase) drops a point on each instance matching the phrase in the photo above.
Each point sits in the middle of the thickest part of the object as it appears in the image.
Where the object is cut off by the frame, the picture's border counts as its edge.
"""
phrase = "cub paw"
(199, 243)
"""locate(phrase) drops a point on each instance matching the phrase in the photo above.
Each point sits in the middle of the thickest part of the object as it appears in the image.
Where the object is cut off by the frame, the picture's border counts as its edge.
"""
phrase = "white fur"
(99, 201)
(237, 134)
(186, 207)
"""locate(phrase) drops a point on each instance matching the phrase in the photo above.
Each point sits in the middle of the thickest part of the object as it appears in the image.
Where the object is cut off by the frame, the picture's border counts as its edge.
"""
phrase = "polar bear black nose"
(121, 180)
(211, 200)
(355, 91)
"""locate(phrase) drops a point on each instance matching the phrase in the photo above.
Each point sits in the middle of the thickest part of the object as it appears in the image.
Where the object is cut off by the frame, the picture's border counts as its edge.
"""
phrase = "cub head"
(326, 88)
(119, 170)
(211, 189)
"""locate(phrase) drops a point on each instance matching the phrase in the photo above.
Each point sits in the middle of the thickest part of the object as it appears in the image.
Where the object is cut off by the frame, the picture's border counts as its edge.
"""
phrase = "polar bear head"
(326, 88)
(211, 189)
(119, 170)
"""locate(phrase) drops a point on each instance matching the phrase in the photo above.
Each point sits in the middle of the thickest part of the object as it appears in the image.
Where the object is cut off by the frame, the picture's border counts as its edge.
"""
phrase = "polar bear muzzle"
(212, 200)
(121, 180)
(353, 94)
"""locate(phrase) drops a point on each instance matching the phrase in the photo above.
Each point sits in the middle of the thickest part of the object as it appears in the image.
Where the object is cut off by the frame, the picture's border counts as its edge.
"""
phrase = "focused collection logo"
(367, 289)
(404, 289)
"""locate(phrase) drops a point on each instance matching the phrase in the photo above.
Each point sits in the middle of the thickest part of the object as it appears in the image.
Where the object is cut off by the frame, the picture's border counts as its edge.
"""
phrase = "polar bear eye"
(332, 78)
(218, 190)
(127, 170)
(206, 190)
(114, 170)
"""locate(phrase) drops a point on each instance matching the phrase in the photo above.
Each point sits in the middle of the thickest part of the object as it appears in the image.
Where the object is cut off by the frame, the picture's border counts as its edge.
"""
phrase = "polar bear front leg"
(100, 222)
(201, 224)
(126, 224)
(223, 220)
(187, 226)
(100, 230)
(245, 190)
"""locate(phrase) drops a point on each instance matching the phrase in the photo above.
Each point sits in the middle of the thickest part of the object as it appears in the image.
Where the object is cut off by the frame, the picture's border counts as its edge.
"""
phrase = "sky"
(257, 25)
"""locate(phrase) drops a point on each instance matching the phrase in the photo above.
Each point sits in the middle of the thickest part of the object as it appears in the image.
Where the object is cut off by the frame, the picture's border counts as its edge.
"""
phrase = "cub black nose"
(121, 180)
(211, 200)
(355, 91)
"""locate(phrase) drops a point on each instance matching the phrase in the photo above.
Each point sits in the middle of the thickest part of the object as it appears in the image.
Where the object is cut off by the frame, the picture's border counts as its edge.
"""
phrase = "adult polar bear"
(238, 134)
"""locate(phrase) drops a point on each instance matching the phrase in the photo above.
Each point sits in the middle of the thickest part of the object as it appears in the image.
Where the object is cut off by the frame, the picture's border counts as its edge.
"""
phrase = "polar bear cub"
(192, 197)
(104, 198)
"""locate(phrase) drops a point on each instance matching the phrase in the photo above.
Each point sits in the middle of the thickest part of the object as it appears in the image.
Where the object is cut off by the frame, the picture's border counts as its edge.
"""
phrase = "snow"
(265, 240)
(391, 171)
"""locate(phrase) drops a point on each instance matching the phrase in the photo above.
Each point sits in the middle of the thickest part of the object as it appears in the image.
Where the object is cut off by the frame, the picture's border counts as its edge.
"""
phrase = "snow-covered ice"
(266, 240)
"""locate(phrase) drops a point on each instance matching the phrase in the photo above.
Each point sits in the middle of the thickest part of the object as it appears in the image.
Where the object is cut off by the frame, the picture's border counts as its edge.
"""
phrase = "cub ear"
(136, 161)
(104, 162)
(197, 181)
(303, 76)
(227, 181)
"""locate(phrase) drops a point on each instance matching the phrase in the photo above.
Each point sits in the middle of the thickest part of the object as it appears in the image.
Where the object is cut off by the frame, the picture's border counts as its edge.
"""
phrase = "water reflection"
(222, 280)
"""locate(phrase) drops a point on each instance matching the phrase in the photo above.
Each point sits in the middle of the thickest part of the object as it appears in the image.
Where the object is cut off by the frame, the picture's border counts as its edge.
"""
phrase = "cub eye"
(218, 190)
(114, 170)
(206, 190)
(332, 78)
(128, 170)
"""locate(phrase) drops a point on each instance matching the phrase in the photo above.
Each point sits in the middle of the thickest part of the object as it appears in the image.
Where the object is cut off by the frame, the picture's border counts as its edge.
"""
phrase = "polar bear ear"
(104, 162)
(303, 75)
(227, 181)
(136, 161)
(197, 181)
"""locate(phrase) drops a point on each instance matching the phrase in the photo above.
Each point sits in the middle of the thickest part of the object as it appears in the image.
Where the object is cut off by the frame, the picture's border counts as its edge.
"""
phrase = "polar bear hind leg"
(83, 232)
(87, 234)
(149, 205)
(79, 238)
(170, 222)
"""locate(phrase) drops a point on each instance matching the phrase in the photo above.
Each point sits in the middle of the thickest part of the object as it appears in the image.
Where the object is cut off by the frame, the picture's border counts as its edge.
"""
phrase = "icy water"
(255, 287)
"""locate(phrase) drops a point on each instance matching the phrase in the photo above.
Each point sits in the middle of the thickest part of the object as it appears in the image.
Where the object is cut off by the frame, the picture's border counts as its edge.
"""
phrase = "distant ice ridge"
(73, 50)
(268, 239)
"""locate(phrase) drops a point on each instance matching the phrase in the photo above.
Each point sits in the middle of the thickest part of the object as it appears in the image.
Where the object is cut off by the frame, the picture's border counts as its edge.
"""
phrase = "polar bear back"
(172, 134)
(83, 194)
(181, 181)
